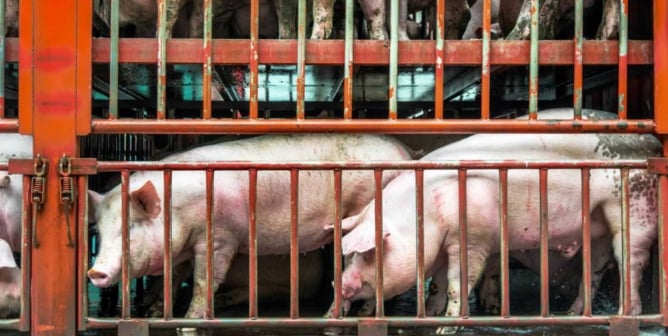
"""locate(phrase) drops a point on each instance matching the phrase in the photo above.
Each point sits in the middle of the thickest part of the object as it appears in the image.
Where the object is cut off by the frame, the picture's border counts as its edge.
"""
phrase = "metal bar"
(439, 79)
(2, 58)
(252, 245)
(162, 60)
(577, 59)
(622, 80)
(378, 203)
(26, 255)
(586, 242)
(503, 244)
(338, 267)
(209, 245)
(533, 62)
(485, 77)
(367, 52)
(544, 247)
(83, 249)
(125, 245)
(348, 73)
(167, 240)
(8, 126)
(301, 58)
(663, 240)
(206, 55)
(254, 55)
(113, 61)
(394, 60)
(660, 57)
(626, 246)
(463, 245)
(294, 243)
(419, 206)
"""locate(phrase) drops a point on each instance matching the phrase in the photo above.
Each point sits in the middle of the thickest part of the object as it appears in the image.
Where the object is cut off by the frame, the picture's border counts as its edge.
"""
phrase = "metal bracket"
(624, 326)
(657, 165)
(79, 166)
(371, 327)
(133, 328)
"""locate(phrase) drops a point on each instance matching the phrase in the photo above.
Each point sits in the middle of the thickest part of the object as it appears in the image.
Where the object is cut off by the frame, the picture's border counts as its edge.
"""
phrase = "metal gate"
(58, 73)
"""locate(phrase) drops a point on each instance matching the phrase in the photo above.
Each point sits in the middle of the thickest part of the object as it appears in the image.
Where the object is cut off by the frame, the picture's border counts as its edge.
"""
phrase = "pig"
(10, 282)
(11, 188)
(474, 26)
(12, 18)
(273, 281)
(564, 212)
(142, 15)
(514, 19)
(230, 213)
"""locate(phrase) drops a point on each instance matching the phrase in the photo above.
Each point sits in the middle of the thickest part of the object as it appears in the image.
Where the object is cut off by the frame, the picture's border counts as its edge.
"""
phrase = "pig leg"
(374, 12)
(155, 290)
(323, 17)
(286, 11)
(489, 295)
(610, 22)
(548, 12)
(457, 15)
(437, 292)
(600, 257)
(522, 28)
(403, 17)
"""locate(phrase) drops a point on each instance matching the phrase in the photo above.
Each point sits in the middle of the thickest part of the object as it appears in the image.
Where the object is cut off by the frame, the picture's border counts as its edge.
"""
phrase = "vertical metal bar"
(622, 80)
(378, 177)
(252, 245)
(209, 244)
(254, 55)
(2, 58)
(440, 57)
(301, 58)
(533, 66)
(348, 62)
(419, 202)
(463, 245)
(586, 242)
(544, 247)
(394, 59)
(294, 242)
(125, 245)
(577, 60)
(113, 61)
(626, 246)
(338, 267)
(485, 78)
(663, 238)
(167, 236)
(162, 59)
(206, 55)
(660, 19)
(504, 264)
(82, 250)
(26, 255)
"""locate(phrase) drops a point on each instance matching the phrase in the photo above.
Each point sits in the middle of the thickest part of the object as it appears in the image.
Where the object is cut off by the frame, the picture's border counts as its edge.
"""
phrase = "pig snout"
(101, 277)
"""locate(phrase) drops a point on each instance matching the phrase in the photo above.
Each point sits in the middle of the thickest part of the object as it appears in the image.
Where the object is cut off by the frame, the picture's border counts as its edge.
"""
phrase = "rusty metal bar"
(209, 245)
(394, 60)
(125, 245)
(348, 73)
(577, 59)
(503, 243)
(162, 59)
(83, 250)
(419, 207)
(113, 61)
(26, 255)
(663, 240)
(167, 240)
(206, 55)
(301, 58)
(338, 252)
(252, 245)
(241, 126)
(254, 55)
(463, 247)
(485, 78)
(623, 78)
(533, 62)
(544, 247)
(586, 242)
(660, 58)
(7, 126)
(378, 202)
(439, 79)
(626, 246)
(294, 242)
(367, 52)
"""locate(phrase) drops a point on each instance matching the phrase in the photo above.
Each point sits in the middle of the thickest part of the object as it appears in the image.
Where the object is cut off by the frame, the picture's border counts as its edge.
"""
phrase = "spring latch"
(37, 193)
(67, 193)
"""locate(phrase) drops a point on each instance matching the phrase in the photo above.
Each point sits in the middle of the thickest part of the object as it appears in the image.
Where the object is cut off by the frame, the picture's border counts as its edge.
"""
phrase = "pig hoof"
(447, 330)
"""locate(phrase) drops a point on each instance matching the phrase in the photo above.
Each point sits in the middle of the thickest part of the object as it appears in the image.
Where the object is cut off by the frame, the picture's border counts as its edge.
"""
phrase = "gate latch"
(67, 193)
(37, 192)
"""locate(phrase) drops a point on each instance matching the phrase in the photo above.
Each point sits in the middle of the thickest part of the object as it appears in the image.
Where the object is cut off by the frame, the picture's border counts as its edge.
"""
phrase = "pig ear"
(360, 240)
(4, 180)
(6, 256)
(347, 224)
(146, 200)
(94, 200)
